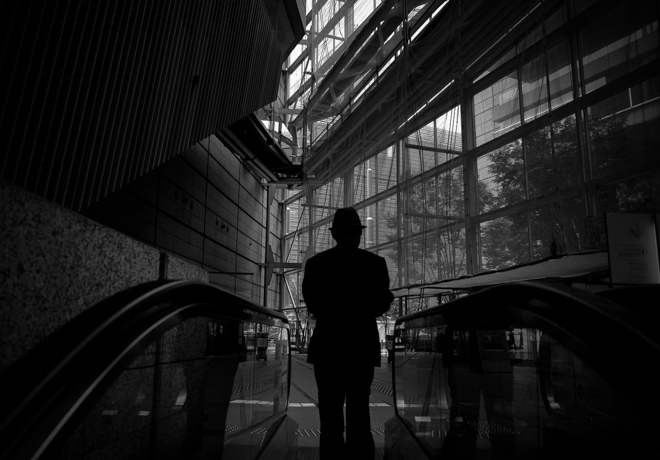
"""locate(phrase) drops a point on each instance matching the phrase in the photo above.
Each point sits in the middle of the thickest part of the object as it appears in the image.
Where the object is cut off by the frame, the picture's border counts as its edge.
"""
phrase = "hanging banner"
(632, 247)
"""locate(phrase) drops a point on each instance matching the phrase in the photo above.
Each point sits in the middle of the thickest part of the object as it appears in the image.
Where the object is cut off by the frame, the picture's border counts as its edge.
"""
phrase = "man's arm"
(312, 288)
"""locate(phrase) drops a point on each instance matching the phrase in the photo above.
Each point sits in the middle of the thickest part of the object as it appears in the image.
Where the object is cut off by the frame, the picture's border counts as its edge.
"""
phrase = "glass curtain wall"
(555, 130)
(562, 119)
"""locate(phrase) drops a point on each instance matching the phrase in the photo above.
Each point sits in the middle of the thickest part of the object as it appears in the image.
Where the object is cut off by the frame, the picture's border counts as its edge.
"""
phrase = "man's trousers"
(338, 382)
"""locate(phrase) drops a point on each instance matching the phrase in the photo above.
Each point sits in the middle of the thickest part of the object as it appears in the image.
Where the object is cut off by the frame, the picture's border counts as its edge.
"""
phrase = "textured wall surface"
(205, 207)
(96, 94)
(55, 263)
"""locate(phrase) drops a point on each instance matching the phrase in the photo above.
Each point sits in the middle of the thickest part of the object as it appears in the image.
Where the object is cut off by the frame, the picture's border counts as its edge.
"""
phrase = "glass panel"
(435, 218)
(574, 219)
(623, 134)
(645, 92)
(507, 389)
(619, 42)
(296, 246)
(504, 242)
(363, 8)
(418, 158)
(534, 87)
(451, 252)
(448, 135)
(568, 165)
(295, 53)
(296, 216)
(255, 394)
(555, 21)
(450, 194)
(359, 182)
(386, 220)
(391, 255)
(581, 5)
(559, 71)
(497, 109)
(430, 257)
(548, 170)
(421, 259)
(385, 170)
(505, 57)
(540, 164)
(535, 77)
(501, 177)
(421, 387)
(641, 194)
(369, 217)
(557, 229)
(422, 199)
(198, 390)
(370, 178)
(119, 423)
(181, 392)
(364, 180)
(530, 39)
(292, 291)
(608, 142)
(327, 198)
(323, 238)
(423, 137)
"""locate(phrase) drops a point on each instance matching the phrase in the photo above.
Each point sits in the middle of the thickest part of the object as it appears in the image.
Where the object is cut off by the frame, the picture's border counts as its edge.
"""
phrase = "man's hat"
(346, 217)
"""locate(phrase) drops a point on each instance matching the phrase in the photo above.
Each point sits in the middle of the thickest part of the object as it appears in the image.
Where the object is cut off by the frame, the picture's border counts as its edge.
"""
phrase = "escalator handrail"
(551, 302)
(40, 388)
(615, 340)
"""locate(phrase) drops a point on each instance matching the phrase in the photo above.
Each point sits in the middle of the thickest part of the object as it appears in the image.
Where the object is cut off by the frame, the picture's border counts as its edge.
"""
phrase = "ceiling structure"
(446, 40)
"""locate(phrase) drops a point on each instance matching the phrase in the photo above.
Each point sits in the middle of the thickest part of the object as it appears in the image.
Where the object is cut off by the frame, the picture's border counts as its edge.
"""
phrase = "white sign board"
(633, 248)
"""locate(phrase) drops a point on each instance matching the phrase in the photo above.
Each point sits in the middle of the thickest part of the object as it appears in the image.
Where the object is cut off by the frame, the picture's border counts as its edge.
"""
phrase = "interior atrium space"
(477, 140)
(170, 171)
(470, 136)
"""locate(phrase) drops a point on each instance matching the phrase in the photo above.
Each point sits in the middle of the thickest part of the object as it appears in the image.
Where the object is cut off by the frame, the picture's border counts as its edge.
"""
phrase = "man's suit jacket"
(346, 288)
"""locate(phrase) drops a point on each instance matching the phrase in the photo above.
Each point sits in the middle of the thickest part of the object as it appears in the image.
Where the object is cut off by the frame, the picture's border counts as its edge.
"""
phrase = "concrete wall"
(200, 216)
(55, 263)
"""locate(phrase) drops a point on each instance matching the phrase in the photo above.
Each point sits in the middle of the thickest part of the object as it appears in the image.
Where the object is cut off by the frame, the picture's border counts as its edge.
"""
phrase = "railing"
(526, 371)
(163, 370)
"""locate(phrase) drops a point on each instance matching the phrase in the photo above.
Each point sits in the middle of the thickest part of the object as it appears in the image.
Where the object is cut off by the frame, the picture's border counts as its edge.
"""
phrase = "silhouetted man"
(345, 288)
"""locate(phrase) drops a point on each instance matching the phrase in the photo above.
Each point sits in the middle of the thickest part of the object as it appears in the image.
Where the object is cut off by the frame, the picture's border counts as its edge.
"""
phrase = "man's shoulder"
(336, 253)
(321, 258)
(370, 255)
(322, 255)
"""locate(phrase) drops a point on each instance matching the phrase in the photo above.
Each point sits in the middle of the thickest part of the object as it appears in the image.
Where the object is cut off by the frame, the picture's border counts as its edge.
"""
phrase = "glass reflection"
(497, 109)
(505, 390)
(631, 41)
(206, 388)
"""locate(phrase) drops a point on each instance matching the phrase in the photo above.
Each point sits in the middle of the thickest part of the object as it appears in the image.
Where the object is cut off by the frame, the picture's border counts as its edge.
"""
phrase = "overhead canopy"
(249, 139)
(565, 266)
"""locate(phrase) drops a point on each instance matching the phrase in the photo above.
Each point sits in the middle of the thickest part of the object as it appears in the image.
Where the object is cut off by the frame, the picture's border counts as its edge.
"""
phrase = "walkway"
(302, 406)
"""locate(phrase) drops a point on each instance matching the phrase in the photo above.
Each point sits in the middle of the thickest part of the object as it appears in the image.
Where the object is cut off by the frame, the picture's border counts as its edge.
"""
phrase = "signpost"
(632, 245)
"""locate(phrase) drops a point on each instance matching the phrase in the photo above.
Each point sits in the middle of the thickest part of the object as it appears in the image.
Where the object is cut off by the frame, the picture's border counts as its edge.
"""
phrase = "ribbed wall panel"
(96, 94)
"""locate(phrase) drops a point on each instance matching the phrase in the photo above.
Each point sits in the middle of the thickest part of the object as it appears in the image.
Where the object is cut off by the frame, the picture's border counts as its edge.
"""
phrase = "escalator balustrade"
(165, 371)
(524, 371)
